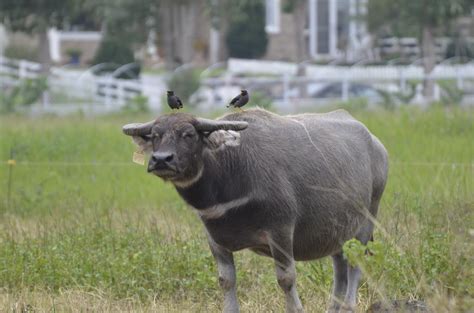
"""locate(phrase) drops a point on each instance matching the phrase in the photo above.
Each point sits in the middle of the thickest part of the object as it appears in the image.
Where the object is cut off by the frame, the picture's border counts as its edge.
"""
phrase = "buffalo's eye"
(187, 135)
(155, 140)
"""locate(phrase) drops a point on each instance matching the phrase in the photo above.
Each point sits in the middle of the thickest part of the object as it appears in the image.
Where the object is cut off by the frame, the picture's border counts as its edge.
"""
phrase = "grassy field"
(82, 228)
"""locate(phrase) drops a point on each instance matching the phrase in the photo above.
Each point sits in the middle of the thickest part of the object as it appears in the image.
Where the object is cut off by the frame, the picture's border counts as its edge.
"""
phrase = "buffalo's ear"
(219, 134)
(144, 143)
(220, 139)
(141, 135)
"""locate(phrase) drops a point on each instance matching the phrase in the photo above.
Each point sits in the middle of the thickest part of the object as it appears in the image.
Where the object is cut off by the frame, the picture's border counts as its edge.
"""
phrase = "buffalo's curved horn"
(138, 129)
(206, 125)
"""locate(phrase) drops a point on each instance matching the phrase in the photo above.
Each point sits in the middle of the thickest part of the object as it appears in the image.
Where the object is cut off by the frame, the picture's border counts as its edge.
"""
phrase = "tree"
(35, 17)
(126, 19)
(113, 50)
(177, 35)
(422, 18)
(246, 37)
(298, 8)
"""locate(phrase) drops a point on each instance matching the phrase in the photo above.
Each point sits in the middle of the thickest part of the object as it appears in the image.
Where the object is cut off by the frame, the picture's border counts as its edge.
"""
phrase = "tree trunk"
(214, 48)
(299, 17)
(429, 61)
(44, 57)
(166, 31)
(43, 50)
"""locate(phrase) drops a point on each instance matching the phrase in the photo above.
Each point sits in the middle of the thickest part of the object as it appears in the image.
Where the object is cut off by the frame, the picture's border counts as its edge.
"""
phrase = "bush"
(391, 100)
(138, 104)
(451, 94)
(260, 99)
(184, 83)
(18, 51)
(24, 94)
(116, 51)
(246, 37)
(354, 105)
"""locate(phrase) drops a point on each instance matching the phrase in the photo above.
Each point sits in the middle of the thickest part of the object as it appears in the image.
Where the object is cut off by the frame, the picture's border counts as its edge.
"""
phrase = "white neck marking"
(220, 209)
(188, 183)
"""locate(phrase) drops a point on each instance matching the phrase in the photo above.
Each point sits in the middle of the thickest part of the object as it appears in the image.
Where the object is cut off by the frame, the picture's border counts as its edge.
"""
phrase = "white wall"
(3, 39)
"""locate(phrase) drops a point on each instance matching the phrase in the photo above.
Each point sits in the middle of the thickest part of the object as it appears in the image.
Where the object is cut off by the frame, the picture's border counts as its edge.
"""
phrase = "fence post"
(286, 89)
(107, 91)
(22, 70)
(120, 93)
(403, 81)
(345, 89)
(436, 92)
(459, 79)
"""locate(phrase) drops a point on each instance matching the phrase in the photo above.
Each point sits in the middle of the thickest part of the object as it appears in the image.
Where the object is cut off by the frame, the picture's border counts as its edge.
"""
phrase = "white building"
(333, 29)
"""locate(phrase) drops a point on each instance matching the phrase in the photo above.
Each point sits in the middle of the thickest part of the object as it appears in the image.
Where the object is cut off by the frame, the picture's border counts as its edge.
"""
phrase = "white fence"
(106, 93)
(286, 74)
(11, 71)
(356, 73)
(286, 83)
(108, 90)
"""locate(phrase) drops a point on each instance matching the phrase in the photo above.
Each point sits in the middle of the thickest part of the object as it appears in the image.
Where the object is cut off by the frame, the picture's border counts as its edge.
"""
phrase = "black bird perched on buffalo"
(240, 100)
(174, 101)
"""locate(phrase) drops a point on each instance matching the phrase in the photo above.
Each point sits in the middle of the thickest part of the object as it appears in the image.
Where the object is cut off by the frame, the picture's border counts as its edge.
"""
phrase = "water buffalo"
(288, 187)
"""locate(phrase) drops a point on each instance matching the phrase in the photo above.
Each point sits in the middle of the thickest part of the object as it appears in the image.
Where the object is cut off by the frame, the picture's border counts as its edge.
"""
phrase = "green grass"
(83, 227)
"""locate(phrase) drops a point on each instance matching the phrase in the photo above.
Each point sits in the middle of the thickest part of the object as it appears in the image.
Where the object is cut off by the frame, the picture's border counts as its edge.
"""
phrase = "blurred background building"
(320, 29)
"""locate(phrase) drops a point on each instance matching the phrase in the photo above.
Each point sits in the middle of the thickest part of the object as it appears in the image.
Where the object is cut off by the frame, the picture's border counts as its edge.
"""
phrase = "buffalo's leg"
(354, 272)
(353, 278)
(282, 253)
(340, 267)
(227, 276)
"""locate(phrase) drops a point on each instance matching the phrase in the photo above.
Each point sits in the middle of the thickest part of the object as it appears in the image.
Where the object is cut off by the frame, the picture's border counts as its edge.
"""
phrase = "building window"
(272, 16)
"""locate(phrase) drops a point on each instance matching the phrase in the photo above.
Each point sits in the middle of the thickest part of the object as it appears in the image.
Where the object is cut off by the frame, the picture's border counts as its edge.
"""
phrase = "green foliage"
(460, 48)
(354, 105)
(289, 6)
(451, 94)
(74, 52)
(260, 99)
(26, 93)
(184, 83)
(407, 17)
(117, 52)
(36, 16)
(128, 263)
(114, 50)
(18, 51)
(387, 267)
(388, 101)
(382, 260)
(138, 104)
(391, 100)
(128, 19)
(407, 96)
(246, 37)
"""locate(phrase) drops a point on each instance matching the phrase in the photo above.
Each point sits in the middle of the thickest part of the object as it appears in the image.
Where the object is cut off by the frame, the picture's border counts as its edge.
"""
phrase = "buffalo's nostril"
(161, 159)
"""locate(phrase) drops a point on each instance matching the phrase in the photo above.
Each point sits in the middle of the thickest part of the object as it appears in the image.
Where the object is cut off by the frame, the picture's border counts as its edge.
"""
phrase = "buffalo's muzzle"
(160, 161)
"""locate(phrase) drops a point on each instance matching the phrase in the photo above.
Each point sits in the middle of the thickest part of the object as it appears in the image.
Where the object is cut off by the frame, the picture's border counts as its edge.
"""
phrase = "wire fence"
(13, 162)
(62, 163)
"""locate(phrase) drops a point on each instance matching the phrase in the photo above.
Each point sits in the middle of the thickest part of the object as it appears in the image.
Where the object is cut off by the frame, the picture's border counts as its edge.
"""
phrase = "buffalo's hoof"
(333, 309)
(347, 309)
